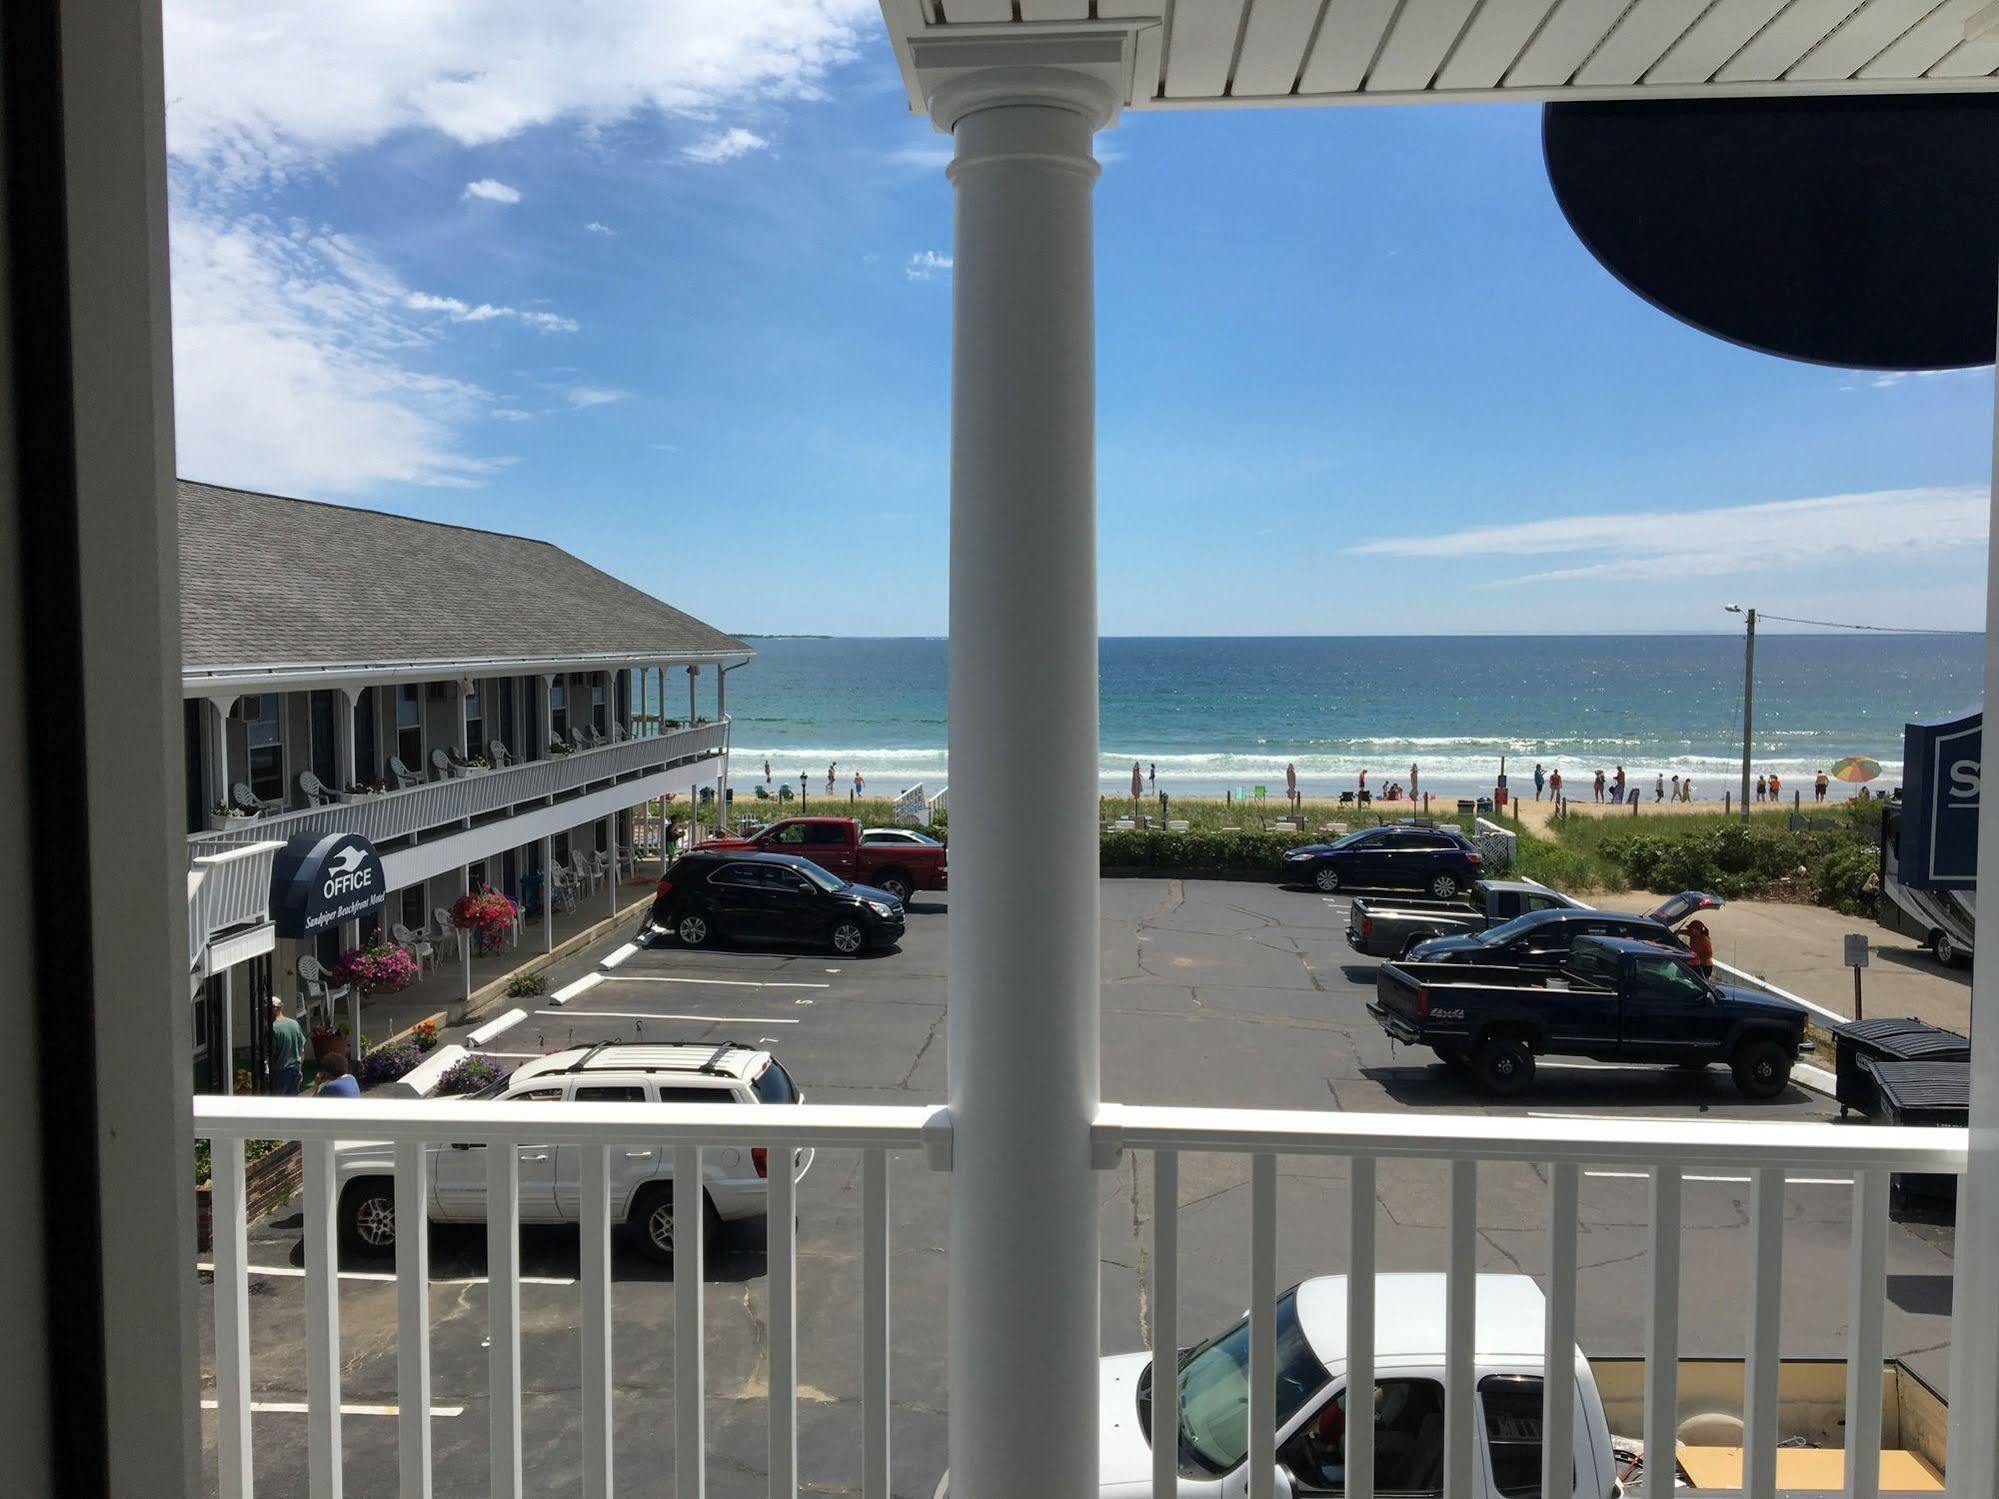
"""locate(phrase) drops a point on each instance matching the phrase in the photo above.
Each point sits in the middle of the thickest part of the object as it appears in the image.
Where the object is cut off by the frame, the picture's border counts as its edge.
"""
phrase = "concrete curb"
(490, 994)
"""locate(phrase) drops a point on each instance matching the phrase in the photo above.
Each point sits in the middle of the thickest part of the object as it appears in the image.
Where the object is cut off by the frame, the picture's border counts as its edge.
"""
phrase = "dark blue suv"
(1397, 856)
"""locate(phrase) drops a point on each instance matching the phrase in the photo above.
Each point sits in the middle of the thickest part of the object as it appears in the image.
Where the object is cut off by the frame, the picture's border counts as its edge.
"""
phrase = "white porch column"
(611, 878)
(465, 938)
(343, 737)
(722, 766)
(547, 730)
(1974, 1361)
(1023, 1026)
(548, 895)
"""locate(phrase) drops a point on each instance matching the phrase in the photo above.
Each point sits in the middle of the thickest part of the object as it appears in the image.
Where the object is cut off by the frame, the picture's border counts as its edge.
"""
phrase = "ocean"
(1219, 714)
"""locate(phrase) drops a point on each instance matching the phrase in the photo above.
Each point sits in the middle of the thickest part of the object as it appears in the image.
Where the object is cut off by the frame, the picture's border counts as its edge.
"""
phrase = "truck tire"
(1505, 1066)
(1327, 879)
(1762, 1068)
(368, 1216)
(1444, 886)
(896, 883)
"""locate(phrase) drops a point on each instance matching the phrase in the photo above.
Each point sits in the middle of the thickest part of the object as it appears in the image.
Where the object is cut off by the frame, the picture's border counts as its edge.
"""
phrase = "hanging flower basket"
(376, 970)
(487, 914)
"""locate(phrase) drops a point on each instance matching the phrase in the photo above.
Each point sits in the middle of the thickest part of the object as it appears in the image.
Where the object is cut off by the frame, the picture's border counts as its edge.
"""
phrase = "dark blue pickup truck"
(1618, 1000)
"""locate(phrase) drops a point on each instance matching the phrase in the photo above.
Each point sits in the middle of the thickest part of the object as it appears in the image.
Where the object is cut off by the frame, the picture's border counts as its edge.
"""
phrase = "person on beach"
(1776, 787)
(1555, 784)
(858, 783)
(1762, 788)
(1687, 789)
(1659, 786)
(287, 1052)
(1818, 787)
(337, 1081)
(1363, 780)
(766, 772)
(1152, 774)
(1676, 789)
(1540, 778)
(1599, 784)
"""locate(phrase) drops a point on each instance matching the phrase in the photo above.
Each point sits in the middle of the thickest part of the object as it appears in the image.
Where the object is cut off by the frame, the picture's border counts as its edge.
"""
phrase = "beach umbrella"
(1856, 768)
(1137, 782)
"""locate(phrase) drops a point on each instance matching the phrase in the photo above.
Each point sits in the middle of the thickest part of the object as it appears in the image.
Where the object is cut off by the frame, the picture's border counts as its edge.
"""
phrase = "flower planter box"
(335, 1045)
(224, 822)
(267, 1181)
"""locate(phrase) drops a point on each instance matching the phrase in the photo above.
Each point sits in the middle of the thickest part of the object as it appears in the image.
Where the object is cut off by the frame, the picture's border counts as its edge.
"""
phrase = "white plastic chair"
(417, 944)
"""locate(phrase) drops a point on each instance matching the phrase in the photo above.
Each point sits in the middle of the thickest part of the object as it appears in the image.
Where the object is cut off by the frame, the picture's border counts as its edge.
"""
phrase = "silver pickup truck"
(1386, 926)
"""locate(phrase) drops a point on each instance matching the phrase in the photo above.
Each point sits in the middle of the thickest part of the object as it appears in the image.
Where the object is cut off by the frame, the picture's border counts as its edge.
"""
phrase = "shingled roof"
(268, 581)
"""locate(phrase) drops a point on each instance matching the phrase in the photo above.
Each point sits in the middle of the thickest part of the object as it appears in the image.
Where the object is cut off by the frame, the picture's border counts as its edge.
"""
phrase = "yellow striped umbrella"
(1856, 768)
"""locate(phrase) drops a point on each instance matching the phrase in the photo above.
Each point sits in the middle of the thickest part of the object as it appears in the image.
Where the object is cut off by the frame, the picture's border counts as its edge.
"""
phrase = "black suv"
(1396, 856)
(1542, 939)
(770, 898)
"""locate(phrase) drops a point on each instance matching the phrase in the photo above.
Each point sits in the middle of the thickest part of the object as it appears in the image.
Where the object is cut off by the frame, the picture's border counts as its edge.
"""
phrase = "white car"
(550, 1188)
(1311, 1399)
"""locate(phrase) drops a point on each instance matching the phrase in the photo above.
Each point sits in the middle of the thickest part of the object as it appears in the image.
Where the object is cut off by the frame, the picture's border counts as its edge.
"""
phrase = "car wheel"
(848, 937)
(368, 1216)
(1761, 1068)
(652, 1216)
(1505, 1066)
(1327, 878)
(896, 884)
(693, 929)
(1444, 886)
(1945, 949)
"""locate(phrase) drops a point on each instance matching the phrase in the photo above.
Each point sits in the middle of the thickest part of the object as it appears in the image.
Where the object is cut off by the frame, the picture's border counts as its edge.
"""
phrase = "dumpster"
(1887, 1040)
(1921, 1093)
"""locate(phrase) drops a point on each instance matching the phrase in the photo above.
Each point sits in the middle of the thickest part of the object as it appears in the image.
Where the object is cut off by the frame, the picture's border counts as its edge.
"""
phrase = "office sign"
(1939, 849)
(321, 880)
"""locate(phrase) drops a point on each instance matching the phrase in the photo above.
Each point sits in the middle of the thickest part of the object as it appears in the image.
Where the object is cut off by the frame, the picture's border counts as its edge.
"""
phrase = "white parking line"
(299, 1408)
(655, 978)
(296, 1272)
(568, 992)
(614, 959)
(646, 1015)
(1789, 1181)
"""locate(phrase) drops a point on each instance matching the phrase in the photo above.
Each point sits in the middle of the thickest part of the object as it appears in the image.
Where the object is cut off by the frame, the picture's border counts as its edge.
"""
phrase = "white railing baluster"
(593, 1207)
(413, 1318)
(1461, 1332)
(782, 1259)
(1662, 1329)
(503, 1318)
(1766, 1305)
(1262, 1326)
(874, 1325)
(1165, 1325)
(322, 1323)
(1865, 1308)
(1360, 1329)
(1558, 1384)
(232, 1319)
(690, 1454)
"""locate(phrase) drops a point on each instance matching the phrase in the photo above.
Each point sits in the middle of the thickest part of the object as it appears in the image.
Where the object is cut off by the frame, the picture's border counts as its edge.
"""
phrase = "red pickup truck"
(834, 844)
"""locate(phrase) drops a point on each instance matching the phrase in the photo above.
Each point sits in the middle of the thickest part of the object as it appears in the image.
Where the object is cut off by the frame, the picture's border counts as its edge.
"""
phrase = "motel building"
(484, 710)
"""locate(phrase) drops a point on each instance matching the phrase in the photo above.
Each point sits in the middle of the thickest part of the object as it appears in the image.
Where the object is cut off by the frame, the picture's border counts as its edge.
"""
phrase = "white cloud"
(510, 414)
(596, 228)
(296, 365)
(581, 396)
(492, 190)
(270, 86)
(926, 263)
(1769, 536)
(1889, 379)
(724, 145)
(925, 156)
(485, 312)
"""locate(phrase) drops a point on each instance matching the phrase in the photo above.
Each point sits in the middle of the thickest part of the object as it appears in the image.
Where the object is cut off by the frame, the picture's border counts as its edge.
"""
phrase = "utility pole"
(1748, 697)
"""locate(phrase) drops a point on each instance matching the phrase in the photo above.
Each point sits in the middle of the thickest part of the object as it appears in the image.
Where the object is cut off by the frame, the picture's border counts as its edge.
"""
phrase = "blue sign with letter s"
(1940, 773)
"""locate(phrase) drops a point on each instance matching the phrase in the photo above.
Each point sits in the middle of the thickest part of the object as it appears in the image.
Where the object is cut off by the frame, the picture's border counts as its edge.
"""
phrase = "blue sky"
(669, 286)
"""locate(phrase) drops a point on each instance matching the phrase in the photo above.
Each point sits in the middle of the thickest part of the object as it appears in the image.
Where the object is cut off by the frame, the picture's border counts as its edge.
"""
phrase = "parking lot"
(1214, 994)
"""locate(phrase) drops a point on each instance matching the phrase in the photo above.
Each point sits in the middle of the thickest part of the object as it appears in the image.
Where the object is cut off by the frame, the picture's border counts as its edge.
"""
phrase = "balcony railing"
(234, 890)
(451, 804)
(1664, 1150)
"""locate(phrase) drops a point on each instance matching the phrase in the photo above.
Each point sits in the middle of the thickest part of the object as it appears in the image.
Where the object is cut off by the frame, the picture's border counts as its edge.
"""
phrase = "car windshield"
(820, 877)
(1506, 931)
(1214, 1389)
(773, 1085)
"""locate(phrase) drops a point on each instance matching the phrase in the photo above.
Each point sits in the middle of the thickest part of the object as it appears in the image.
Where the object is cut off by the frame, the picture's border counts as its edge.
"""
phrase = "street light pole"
(1748, 696)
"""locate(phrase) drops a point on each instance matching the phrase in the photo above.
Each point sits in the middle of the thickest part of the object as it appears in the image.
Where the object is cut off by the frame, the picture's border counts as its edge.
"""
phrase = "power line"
(1834, 624)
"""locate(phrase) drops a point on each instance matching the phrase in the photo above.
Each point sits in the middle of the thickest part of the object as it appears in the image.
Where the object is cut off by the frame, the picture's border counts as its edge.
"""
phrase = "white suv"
(641, 1170)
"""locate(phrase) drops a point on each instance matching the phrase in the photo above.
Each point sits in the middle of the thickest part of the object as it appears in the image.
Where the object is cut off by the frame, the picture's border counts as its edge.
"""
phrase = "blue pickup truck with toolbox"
(1617, 1000)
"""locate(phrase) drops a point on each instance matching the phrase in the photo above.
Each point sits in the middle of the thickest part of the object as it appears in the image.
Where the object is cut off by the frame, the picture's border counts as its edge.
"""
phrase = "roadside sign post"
(1856, 959)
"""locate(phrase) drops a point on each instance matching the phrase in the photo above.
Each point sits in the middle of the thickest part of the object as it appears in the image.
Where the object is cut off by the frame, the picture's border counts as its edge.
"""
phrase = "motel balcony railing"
(227, 888)
(1562, 1148)
(447, 805)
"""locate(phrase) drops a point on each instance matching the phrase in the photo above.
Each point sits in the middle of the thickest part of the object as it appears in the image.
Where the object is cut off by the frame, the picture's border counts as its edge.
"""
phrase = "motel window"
(265, 737)
(475, 721)
(413, 916)
(597, 720)
(409, 726)
(558, 709)
(367, 761)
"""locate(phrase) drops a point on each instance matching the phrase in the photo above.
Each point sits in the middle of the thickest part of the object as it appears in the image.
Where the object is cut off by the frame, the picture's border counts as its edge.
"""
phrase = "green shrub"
(1844, 878)
(1203, 852)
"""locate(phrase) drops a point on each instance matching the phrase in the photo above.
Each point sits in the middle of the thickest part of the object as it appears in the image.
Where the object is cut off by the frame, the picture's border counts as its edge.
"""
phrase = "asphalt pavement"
(1214, 993)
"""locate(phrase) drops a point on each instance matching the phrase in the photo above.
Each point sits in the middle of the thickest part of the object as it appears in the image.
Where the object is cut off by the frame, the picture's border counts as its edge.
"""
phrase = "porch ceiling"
(1261, 53)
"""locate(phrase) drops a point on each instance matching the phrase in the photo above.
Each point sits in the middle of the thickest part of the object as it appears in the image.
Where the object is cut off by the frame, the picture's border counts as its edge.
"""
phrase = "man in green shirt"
(287, 1052)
